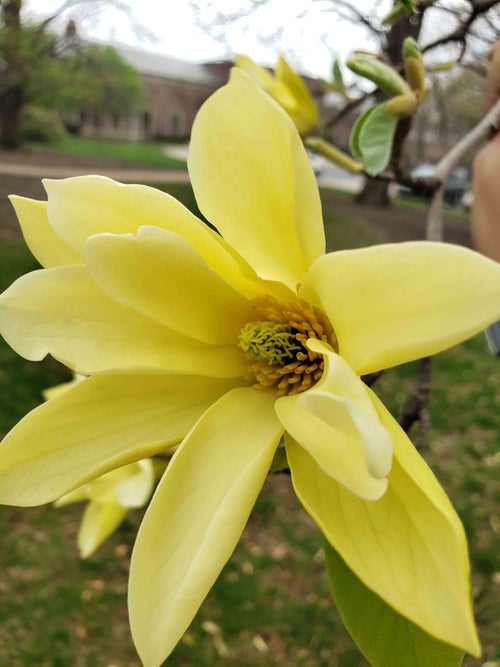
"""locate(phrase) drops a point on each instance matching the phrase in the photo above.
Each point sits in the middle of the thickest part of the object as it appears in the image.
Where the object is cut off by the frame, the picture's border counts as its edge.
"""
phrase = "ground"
(397, 223)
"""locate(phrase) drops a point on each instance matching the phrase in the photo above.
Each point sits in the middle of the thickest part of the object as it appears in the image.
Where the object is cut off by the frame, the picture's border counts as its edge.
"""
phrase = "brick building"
(174, 90)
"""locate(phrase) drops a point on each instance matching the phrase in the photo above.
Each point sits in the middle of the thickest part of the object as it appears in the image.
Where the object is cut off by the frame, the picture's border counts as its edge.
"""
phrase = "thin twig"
(416, 405)
(461, 32)
(346, 109)
(359, 17)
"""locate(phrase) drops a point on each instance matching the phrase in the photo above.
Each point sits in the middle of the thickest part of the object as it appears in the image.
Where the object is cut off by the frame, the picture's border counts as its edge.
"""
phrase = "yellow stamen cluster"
(275, 344)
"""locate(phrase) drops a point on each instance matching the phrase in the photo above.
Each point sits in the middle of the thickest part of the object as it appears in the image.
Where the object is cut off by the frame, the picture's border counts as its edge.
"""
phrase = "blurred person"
(485, 227)
(486, 172)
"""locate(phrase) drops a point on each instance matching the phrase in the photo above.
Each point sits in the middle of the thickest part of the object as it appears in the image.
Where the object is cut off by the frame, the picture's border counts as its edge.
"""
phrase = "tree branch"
(434, 230)
(416, 405)
(346, 109)
(358, 17)
(461, 32)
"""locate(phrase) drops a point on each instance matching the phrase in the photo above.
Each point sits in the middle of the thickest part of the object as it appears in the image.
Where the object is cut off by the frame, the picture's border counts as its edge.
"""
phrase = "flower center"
(275, 345)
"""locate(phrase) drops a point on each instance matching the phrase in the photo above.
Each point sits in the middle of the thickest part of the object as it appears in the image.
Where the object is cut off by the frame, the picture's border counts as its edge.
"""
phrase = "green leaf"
(354, 138)
(338, 79)
(328, 85)
(409, 5)
(375, 138)
(386, 638)
(397, 13)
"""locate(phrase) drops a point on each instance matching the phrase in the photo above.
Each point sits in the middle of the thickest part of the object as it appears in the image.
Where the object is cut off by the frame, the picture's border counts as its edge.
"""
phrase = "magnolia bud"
(384, 76)
(414, 65)
(403, 104)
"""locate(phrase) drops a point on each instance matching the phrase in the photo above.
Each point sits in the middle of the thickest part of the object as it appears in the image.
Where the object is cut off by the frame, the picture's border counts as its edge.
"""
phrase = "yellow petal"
(196, 517)
(136, 490)
(390, 304)
(129, 486)
(408, 547)
(160, 275)
(100, 424)
(304, 111)
(338, 425)
(47, 247)
(76, 496)
(340, 380)
(260, 74)
(51, 392)
(83, 206)
(99, 520)
(335, 445)
(61, 311)
(253, 181)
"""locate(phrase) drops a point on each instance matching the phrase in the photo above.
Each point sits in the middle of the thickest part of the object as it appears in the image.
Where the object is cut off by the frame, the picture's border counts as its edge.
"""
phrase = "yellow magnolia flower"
(287, 88)
(226, 343)
(110, 497)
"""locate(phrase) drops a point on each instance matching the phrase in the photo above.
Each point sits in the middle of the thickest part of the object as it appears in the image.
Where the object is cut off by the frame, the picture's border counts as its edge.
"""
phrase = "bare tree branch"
(346, 110)
(461, 32)
(357, 16)
(117, 4)
(415, 408)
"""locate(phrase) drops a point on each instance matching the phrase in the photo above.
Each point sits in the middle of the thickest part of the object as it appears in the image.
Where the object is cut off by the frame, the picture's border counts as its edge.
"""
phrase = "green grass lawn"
(271, 605)
(145, 154)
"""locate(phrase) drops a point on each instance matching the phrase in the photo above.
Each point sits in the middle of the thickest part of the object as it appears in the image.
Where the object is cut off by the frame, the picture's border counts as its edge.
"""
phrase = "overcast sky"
(303, 30)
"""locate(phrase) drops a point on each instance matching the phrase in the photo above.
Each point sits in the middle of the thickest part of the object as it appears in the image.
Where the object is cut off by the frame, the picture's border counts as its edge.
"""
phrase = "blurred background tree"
(41, 70)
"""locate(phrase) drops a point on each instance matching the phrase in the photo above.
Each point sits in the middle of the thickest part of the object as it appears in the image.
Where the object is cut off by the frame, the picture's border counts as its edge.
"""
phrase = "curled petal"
(338, 425)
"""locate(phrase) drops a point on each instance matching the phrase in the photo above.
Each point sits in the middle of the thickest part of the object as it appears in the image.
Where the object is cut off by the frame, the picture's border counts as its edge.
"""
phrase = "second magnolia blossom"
(288, 89)
(227, 343)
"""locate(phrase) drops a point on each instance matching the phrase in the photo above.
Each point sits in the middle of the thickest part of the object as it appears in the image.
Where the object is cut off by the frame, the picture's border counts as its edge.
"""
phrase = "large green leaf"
(386, 638)
(374, 139)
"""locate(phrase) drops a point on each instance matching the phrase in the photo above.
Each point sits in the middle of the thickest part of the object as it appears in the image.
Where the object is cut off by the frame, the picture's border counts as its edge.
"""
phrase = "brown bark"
(374, 193)
(11, 104)
(416, 406)
(11, 93)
